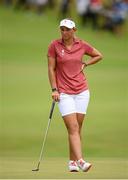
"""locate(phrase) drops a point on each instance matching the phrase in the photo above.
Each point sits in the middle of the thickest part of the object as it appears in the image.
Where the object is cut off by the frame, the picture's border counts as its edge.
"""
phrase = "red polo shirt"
(70, 79)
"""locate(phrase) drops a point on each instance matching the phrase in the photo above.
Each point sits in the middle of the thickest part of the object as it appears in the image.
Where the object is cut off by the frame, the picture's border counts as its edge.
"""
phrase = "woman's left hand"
(83, 66)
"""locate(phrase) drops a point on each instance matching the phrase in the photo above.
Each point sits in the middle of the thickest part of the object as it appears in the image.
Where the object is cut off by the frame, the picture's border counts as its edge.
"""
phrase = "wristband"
(54, 89)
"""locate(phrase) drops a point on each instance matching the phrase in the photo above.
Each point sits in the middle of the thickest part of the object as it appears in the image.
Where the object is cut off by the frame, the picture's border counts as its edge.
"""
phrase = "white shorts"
(77, 103)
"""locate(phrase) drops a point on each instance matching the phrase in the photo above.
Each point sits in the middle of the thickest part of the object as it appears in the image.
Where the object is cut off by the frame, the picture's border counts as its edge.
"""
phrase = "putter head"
(37, 169)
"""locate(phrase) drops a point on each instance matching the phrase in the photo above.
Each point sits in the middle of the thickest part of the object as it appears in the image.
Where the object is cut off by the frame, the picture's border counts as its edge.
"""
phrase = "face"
(67, 33)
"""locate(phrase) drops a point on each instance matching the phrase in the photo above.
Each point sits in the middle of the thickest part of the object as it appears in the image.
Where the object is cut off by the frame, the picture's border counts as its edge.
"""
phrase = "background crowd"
(99, 14)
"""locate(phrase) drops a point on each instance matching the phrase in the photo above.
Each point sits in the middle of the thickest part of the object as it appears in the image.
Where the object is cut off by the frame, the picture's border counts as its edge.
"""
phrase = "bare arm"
(51, 72)
(95, 56)
(52, 77)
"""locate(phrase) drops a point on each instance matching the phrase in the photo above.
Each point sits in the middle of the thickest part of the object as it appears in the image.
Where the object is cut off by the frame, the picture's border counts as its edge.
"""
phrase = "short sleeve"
(87, 47)
(51, 50)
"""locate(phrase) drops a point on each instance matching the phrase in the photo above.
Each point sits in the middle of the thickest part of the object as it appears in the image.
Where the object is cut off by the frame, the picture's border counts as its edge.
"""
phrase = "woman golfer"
(69, 86)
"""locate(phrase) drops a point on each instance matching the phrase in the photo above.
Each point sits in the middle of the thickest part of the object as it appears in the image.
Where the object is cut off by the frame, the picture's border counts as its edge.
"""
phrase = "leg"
(80, 118)
(74, 136)
(81, 102)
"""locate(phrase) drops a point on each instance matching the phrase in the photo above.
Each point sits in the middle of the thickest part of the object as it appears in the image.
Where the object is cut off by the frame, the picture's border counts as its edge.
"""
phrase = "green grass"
(26, 100)
(56, 168)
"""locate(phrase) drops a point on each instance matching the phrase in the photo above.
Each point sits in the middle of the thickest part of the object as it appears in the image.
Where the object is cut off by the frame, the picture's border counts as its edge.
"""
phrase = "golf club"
(45, 136)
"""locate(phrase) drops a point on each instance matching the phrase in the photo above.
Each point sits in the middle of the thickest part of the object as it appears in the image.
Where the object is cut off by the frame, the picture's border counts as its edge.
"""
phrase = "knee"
(74, 129)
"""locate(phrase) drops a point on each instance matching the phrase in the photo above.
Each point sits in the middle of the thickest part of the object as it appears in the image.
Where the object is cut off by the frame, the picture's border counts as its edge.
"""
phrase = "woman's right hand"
(55, 96)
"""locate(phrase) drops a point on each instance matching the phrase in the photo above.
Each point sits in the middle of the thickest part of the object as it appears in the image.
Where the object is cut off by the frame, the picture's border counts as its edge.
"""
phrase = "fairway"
(26, 101)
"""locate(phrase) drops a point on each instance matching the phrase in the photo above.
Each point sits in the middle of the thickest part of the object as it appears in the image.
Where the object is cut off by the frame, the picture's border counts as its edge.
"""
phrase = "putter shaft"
(45, 136)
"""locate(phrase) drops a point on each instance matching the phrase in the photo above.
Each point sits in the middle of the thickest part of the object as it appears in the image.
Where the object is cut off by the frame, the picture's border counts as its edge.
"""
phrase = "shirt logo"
(62, 52)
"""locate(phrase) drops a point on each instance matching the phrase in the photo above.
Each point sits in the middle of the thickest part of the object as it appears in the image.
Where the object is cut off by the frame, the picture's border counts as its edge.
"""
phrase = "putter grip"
(52, 108)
